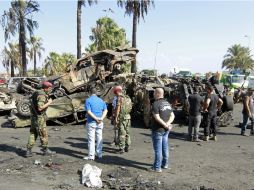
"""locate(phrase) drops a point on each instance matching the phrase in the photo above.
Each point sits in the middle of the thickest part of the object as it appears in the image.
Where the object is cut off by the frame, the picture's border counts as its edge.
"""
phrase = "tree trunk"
(12, 69)
(22, 43)
(134, 43)
(35, 63)
(79, 11)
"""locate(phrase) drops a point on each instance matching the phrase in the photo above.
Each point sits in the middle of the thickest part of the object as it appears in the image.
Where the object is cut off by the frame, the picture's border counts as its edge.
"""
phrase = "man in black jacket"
(163, 117)
(211, 106)
(195, 105)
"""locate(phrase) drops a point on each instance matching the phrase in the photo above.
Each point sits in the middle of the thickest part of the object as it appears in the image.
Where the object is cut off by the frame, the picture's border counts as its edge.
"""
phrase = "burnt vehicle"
(143, 96)
(96, 70)
(102, 70)
(7, 100)
(177, 92)
(225, 115)
(93, 70)
(64, 110)
(29, 84)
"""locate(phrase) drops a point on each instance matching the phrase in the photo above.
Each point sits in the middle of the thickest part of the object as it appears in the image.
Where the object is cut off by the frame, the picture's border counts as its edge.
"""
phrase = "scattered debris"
(203, 188)
(37, 162)
(64, 186)
(124, 179)
(52, 165)
(56, 129)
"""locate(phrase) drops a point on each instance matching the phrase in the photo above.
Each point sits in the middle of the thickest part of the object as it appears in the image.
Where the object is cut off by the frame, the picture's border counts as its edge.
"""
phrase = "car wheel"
(23, 108)
(59, 92)
(228, 103)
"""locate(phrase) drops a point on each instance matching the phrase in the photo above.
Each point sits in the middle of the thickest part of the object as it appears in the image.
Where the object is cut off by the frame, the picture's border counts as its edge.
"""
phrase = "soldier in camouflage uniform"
(123, 119)
(39, 104)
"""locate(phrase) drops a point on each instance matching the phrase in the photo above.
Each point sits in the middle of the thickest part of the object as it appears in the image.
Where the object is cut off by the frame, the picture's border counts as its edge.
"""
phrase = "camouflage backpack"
(126, 105)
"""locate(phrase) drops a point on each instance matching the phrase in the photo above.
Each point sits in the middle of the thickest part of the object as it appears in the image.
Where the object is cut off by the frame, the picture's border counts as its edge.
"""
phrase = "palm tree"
(79, 12)
(35, 49)
(57, 64)
(238, 57)
(51, 63)
(11, 58)
(19, 18)
(106, 35)
(138, 9)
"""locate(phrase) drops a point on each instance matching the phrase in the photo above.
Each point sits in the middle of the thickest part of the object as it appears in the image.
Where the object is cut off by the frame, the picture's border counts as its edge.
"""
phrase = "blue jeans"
(160, 146)
(94, 133)
(245, 123)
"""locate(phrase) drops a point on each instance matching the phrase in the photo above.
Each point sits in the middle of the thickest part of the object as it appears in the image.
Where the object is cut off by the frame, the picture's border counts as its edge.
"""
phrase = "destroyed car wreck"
(177, 92)
(104, 70)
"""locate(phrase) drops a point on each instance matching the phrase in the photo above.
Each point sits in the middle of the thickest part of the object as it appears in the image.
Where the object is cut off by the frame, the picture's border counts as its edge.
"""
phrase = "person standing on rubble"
(39, 103)
(211, 105)
(163, 117)
(248, 112)
(195, 106)
(96, 110)
(123, 119)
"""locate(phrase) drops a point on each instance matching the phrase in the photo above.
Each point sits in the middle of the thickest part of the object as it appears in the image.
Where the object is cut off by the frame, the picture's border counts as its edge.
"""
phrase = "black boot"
(47, 152)
(121, 151)
(126, 149)
(29, 153)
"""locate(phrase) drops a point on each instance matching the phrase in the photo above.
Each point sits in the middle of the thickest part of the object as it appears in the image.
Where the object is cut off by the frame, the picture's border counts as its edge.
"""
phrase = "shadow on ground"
(119, 161)
(8, 148)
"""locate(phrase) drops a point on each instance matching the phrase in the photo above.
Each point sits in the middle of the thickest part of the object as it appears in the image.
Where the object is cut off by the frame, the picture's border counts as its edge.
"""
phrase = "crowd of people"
(162, 117)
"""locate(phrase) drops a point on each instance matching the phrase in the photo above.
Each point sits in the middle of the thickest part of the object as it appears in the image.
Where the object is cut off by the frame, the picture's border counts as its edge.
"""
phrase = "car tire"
(23, 108)
(228, 103)
(59, 92)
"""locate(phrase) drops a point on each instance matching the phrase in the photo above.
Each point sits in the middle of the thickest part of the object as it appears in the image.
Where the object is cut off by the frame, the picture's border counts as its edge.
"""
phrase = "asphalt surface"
(225, 164)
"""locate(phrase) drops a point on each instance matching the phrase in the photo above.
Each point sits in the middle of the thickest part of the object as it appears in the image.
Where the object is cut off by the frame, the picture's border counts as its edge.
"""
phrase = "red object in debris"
(2, 81)
(47, 84)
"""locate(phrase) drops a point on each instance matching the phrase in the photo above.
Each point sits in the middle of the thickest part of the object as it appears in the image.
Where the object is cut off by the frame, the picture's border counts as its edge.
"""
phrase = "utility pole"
(155, 58)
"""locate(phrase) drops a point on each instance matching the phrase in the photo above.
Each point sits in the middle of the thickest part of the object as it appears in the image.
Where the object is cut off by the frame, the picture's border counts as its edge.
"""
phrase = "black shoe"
(47, 152)
(29, 153)
(126, 149)
(244, 134)
(120, 151)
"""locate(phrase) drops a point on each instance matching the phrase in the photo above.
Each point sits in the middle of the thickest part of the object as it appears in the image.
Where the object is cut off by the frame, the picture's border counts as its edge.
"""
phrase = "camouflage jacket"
(123, 107)
(39, 99)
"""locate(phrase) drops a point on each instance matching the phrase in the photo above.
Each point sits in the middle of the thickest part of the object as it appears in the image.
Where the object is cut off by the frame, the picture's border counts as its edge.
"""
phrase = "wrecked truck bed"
(64, 110)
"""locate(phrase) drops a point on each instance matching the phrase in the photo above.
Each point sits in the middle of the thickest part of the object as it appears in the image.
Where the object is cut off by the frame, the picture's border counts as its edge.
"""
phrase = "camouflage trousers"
(124, 133)
(38, 128)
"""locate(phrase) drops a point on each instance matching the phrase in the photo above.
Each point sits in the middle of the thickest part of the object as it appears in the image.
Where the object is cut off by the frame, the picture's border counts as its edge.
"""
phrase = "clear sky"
(193, 34)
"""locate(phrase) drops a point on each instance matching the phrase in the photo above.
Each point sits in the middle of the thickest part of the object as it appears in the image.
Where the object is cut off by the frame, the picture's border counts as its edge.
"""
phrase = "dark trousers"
(210, 124)
(245, 124)
(194, 122)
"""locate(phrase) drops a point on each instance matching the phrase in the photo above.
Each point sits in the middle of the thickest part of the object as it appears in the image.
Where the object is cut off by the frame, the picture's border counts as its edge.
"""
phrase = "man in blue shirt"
(96, 110)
